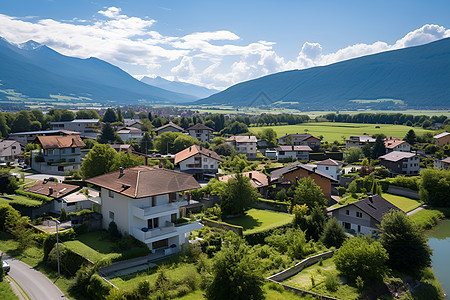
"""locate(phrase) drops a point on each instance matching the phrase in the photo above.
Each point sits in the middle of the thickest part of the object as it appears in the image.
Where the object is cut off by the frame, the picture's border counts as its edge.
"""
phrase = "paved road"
(417, 209)
(34, 283)
(43, 176)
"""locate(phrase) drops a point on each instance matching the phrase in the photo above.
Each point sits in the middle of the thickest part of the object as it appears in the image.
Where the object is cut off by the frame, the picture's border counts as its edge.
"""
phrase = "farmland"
(336, 131)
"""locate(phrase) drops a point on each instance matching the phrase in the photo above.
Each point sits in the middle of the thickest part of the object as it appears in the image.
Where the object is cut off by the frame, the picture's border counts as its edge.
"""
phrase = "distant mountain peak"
(179, 86)
(29, 45)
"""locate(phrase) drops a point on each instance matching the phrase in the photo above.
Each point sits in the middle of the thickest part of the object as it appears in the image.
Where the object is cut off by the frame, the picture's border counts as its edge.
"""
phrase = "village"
(137, 198)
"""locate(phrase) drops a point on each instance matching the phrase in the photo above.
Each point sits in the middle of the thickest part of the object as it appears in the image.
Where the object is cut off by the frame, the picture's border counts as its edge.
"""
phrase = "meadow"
(332, 131)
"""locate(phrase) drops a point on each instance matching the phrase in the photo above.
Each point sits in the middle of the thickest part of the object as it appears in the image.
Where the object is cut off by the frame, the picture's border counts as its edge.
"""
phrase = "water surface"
(439, 241)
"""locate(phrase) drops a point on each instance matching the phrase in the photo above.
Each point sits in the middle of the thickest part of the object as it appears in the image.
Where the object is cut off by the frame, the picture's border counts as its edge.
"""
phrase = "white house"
(27, 137)
(243, 144)
(198, 161)
(302, 139)
(443, 164)
(201, 132)
(293, 152)
(9, 149)
(359, 141)
(363, 216)
(396, 144)
(145, 203)
(58, 154)
(130, 133)
(86, 127)
(331, 167)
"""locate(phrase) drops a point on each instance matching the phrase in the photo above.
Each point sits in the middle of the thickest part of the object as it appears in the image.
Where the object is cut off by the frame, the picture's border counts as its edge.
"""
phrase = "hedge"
(274, 205)
(70, 261)
(412, 182)
(259, 236)
(225, 226)
(34, 196)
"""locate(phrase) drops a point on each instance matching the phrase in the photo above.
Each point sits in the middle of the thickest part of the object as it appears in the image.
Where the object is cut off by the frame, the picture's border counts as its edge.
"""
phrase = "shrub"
(276, 287)
(63, 215)
(98, 288)
(113, 230)
(332, 282)
(70, 262)
(82, 278)
(34, 196)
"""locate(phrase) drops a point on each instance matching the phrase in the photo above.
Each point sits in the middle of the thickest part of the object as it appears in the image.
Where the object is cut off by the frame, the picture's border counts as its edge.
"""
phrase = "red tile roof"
(193, 150)
(53, 189)
(257, 179)
(144, 181)
(57, 142)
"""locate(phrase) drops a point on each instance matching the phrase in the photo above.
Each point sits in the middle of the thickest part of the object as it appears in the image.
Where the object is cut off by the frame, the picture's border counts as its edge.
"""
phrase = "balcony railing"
(146, 212)
(169, 227)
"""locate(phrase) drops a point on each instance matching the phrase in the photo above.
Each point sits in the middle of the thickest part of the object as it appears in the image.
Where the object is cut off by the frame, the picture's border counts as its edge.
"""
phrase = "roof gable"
(295, 166)
(193, 150)
(199, 126)
(170, 124)
(58, 142)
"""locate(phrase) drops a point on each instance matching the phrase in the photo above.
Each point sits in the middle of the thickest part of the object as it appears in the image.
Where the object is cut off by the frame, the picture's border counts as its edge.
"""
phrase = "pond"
(439, 241)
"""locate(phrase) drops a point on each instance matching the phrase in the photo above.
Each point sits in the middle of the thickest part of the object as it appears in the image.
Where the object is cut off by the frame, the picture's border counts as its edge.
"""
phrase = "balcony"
(150, 211)
(169, 229)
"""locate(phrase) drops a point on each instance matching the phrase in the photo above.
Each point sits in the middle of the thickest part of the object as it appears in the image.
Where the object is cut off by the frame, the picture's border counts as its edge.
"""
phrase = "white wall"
(206, 163)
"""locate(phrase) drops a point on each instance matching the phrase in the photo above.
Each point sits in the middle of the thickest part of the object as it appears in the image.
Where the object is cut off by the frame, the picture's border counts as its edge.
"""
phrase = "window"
(110, 194)
(154, 201)
(326, 168)
(347, 225)
(60, 168)
(205, 159)
(212, 166)
(73, 150)
(173, 218)
(50, 152)
(359, 228)
(111, 215)
(171, 197)
(14, 147)
(347, 212)
(359, 214)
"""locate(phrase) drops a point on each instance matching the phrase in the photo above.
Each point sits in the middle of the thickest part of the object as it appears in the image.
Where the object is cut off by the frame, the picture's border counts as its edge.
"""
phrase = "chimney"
(314, 169)
(50, 190)
(371, 198)
(190, 149)
(250, 175)
(121, 172)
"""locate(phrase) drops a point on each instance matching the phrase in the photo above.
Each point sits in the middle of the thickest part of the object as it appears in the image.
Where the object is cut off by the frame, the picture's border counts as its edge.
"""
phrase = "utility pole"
(57, 244)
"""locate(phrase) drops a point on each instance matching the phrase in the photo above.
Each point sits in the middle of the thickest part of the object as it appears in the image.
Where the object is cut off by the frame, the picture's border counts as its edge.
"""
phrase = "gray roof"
(375, 206)
(44, 132)
(302, 136)
(77, 121)
(293, 148)
(170, 124)
(397, 155)
(292, 167)
(441, 135)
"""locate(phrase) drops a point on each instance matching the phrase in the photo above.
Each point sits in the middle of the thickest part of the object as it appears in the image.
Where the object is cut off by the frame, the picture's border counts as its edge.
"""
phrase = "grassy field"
(96, 246)
(404, 203)
(427, 218)
(20, 200)
(302, 280)
(257, 219)
(336, 131)
(6, 293)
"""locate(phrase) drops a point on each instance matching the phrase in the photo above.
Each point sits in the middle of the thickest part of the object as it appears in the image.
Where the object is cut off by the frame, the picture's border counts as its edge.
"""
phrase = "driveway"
(33, 282)
(41, 177)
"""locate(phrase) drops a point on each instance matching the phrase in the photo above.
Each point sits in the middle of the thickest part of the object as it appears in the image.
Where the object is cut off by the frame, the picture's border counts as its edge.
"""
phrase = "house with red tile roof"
(58, 154)
(198, 161)
(258, 180)
(145, 202)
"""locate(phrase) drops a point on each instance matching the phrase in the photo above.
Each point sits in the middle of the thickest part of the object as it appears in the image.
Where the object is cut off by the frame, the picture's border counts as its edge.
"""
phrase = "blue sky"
(217, 44)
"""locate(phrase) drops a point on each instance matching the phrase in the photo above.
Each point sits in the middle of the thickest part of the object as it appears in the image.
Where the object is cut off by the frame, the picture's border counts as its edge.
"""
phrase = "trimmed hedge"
(70, 261)
(34, 196)
(273, 205)
(225, 226)
(259, 236)
(412, 182)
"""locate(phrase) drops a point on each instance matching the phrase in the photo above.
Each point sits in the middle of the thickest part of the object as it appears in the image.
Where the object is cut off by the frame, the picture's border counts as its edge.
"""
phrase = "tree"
(353, 155)
(238, 195)
(165, 141)
(22, 122)
(4, 129)
(235, 274)
(309, 193)
(410, 137)
(184, 141)
(109, 136)
(145, 143)
(269, 135)
(119, 115)
(360, 257)
(8, 217)
(98, 161)
(110, 116)
(405, 243)
(126, 160)
(224, 149)
(333, 234)
(8, 183)
(379, 148)
(435, 187)
(35, 126)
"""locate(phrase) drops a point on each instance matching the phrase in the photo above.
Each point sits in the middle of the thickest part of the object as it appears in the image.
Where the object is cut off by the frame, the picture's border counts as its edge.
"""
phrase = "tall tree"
(238, 195)
(379, 148)
(235, 274)
(98, 161)
(119, 115)
(333, 234)
(411, 137)
(110, 116)
(309, 193)
(405, 242)
(22, 122)
(145, 143)
(4, 129)
(109, 136)
(435, 187)
(125, 160)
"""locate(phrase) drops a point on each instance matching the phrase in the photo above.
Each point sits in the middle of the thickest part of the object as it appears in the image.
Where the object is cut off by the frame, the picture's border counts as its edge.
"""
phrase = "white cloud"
(215, 59)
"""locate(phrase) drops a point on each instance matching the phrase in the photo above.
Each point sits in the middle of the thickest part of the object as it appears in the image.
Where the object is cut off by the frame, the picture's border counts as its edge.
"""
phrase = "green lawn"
(21, 200)
(302, 280)
(258, 219)
(96, 246)
(404, 203)
(427, 218)
(6, 293)
(334, 131)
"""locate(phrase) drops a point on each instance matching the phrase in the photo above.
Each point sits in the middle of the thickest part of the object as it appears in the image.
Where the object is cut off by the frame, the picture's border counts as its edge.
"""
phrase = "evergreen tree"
(22, 122)
(309, 193)
(411, 137)
(4, 129)
(238, 195)
(379, 148)
(145, 143)
(333, 234)
(110, 116)
(119, 115)
(109, 136)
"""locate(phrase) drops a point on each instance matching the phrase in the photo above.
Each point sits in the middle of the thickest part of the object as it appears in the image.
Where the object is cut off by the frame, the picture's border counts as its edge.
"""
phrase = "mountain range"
(32, 70)
(179, 87)
(415, 77)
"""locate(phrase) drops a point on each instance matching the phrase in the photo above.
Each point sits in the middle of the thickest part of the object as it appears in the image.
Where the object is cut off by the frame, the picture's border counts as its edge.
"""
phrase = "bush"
(259, 236)
(332, 282)
(34, 196)
(113, 230)
(412, 182)
(82, 278)
(70, 262)
(98, 288)
(276, 287)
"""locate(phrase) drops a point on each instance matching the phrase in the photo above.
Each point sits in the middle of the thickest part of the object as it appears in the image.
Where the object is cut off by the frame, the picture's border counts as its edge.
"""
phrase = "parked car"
(6, 267)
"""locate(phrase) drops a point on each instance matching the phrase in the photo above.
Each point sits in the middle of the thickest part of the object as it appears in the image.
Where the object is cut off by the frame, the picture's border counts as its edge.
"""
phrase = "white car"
(6, 267)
